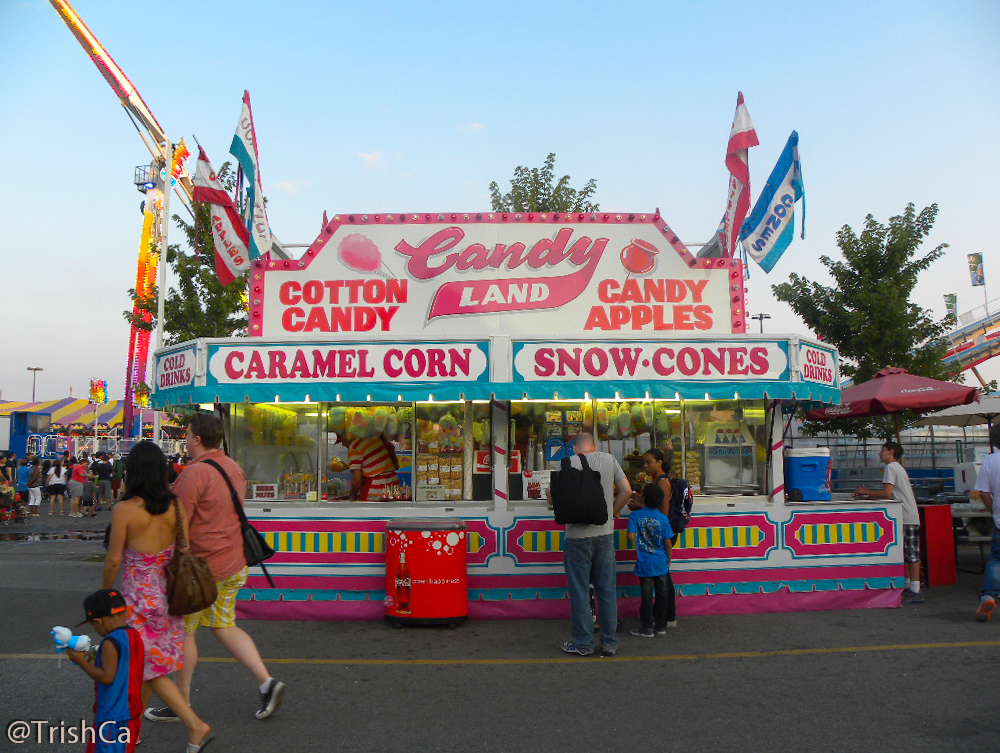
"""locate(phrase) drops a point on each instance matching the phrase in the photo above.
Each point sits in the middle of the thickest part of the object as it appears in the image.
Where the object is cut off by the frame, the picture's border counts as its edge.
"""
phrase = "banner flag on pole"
(976, 270)
(244, 148)
(742, 136)
(770, 227)
(951, 305)
(230, 234)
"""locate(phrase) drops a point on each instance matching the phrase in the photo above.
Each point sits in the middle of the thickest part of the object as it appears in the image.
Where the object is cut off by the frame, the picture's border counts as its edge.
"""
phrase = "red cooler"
(426, 575)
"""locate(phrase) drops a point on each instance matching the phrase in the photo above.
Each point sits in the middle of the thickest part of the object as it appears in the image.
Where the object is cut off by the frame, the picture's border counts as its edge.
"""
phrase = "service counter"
(738, 555)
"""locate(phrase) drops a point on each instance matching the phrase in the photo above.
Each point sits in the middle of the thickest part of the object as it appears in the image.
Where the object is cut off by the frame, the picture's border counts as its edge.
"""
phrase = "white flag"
(244, 148)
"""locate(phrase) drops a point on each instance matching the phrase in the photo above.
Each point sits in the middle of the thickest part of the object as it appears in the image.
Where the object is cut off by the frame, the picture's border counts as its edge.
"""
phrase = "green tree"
(200, 306)
(868, 313)
(535, 190)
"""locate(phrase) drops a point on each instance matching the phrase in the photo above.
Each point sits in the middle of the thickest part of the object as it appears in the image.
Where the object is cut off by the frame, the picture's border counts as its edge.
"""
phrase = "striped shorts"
(222, 614)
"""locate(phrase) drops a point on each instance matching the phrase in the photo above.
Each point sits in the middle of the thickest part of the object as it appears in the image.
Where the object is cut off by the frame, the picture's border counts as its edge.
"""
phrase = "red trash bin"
(426, 574)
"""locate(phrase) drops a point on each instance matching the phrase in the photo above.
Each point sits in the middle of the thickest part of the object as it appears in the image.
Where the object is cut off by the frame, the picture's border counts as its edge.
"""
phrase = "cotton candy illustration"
(359, 253)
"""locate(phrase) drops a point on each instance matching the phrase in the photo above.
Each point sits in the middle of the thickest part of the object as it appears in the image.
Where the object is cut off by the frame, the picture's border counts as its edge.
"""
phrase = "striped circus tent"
(71, 411)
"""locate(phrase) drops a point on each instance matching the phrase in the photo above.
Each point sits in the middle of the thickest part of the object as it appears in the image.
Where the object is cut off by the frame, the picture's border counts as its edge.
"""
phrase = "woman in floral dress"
(143, 531)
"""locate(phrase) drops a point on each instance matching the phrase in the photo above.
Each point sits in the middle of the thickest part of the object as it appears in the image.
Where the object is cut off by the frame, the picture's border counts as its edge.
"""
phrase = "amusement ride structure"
(151, 180)
(975, 339)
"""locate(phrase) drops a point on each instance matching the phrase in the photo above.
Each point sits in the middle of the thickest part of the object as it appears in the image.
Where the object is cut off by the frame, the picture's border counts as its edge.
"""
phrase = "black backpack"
(578, 495)
(681, 502)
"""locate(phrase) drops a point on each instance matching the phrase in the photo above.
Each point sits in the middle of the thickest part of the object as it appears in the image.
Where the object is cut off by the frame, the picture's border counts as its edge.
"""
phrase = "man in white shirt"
(988, 486)
(896, 485)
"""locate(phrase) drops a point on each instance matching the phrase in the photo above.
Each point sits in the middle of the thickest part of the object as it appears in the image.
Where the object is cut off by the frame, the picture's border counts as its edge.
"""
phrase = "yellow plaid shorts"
(222, 614)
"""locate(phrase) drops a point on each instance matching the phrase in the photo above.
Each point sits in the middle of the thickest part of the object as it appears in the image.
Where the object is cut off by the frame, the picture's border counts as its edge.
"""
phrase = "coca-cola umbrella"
(893, 391)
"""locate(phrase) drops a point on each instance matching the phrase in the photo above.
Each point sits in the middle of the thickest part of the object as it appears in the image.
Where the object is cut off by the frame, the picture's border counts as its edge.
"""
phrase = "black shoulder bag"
(578, 495)
(255, 549)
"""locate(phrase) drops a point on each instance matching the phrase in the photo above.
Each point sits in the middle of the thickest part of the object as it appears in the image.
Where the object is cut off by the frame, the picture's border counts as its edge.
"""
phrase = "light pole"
(34, 373)
(161, 283)
(760, 318)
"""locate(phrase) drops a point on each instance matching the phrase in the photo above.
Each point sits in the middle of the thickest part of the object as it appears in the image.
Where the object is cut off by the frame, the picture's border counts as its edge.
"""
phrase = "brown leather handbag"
(190, 585)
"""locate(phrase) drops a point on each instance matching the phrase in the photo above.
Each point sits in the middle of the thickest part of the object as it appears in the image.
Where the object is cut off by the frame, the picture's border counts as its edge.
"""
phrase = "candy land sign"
(461, 275)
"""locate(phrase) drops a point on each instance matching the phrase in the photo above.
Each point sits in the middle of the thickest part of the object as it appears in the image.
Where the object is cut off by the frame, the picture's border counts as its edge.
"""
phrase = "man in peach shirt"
(215, 536)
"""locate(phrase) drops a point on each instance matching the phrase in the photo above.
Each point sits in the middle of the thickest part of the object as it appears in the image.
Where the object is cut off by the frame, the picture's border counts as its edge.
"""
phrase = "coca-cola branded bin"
(426, 576)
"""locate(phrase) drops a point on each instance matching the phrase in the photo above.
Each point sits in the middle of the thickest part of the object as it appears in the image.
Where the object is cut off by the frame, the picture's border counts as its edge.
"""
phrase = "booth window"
(718, 446)
(452, 454)
(725, 446)
(354, 430)
(276, 445)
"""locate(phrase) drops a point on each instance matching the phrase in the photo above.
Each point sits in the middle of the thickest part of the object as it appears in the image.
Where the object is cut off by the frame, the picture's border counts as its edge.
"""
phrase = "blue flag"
(769, 229)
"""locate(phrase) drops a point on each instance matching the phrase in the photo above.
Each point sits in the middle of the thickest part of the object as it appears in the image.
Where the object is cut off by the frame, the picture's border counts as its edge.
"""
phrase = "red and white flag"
(230, 234)
(741, 138)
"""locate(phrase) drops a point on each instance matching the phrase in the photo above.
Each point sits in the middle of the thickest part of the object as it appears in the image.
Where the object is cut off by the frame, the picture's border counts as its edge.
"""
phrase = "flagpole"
(161, 281)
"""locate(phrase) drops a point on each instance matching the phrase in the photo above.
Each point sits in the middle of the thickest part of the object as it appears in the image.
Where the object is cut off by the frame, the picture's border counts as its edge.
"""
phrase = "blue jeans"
(991, 578)
(592, 560)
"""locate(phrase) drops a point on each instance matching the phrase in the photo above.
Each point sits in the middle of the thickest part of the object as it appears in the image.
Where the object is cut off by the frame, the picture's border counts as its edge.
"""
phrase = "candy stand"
(478, 345)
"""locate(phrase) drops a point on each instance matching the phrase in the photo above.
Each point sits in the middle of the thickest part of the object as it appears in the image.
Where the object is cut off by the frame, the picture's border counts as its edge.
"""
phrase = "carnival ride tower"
(154, 182)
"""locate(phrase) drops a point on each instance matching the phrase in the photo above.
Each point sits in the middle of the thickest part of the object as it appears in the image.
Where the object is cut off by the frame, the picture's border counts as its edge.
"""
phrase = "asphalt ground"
(919, 678)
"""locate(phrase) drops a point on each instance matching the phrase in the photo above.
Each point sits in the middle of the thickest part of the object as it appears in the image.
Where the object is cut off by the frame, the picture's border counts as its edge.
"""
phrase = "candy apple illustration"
(639, 257)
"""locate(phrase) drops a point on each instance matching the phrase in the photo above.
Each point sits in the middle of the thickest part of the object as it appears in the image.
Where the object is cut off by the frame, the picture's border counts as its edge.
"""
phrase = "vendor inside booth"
(439, 365)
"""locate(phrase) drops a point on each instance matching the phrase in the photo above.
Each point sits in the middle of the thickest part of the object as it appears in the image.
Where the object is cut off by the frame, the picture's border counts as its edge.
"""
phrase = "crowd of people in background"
(75, 486)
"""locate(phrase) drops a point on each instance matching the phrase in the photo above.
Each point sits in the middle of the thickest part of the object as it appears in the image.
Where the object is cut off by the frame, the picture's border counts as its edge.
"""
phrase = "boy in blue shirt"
(650, 531)
(117, 674)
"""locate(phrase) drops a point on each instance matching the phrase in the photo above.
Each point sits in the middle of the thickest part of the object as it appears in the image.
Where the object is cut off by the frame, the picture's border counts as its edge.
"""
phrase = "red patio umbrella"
(894, 390)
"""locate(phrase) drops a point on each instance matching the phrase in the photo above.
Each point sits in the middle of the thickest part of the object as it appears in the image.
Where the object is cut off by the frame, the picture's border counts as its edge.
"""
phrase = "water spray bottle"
(64, 639)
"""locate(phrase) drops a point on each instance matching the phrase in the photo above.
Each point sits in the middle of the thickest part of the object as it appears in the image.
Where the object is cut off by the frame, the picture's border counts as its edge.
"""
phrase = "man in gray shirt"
(589, 555)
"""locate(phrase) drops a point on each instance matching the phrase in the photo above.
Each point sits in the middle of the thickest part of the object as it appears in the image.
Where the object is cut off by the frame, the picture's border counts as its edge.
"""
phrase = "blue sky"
(389, 107)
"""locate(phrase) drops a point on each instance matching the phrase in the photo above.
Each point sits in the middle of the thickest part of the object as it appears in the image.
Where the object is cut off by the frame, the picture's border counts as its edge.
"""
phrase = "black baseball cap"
(103, 603)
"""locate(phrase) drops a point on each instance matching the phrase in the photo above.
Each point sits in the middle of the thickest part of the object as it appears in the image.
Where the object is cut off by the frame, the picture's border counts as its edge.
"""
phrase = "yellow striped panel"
(621, 539)
(475, 541)
(541, 541)
(309, 542)
(839, 533)
(361, 542)
(721, 537)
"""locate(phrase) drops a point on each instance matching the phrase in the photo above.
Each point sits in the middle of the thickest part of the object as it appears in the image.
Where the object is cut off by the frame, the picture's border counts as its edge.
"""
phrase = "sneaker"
(270, 700)
(643, 632)
(571, 648)
(161, 714)
(609, 650)
(661, 631)
(910, 597)
(986, 607)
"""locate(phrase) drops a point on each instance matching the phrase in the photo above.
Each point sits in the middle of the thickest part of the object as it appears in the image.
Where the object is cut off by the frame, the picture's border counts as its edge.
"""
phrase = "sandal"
(192, 748)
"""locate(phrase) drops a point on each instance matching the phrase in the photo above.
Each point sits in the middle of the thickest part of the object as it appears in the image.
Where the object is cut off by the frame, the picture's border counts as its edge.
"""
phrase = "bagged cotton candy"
(338, 419)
